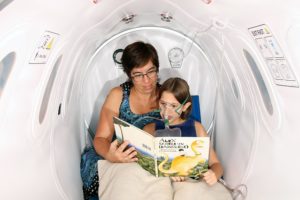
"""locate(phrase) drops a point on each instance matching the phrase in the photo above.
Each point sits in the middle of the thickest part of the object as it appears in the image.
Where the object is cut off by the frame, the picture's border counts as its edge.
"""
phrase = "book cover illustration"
(166, 156)
(182, 156)
(141, 140)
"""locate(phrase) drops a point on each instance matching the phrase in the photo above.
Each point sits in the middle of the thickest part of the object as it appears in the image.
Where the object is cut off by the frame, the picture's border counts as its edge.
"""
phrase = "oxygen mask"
(169, 112)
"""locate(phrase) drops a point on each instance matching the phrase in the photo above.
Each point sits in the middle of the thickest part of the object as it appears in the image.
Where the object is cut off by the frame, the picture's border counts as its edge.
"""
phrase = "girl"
(128, 180)
(175, 104)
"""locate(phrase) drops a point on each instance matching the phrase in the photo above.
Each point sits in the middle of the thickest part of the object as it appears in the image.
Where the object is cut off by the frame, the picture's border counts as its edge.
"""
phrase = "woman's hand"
(177, 178)
(119, 154)
(210, 177)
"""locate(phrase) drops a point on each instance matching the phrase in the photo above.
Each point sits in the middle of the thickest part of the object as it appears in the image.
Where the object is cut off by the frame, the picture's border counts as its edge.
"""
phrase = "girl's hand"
(120, 154)
(210, 177)
(177, 178)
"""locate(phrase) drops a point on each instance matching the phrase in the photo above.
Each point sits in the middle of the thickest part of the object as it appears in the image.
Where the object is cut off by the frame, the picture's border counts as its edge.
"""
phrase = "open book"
(166, 156)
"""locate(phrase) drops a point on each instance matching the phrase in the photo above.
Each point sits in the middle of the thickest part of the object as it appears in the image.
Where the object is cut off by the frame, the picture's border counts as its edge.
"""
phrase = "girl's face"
(170, 108)
(145, 78)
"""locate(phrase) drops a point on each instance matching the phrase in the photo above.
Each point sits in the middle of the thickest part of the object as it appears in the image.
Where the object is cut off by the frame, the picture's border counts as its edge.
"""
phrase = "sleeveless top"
(138, 120)
(89, 158)
(187, 128)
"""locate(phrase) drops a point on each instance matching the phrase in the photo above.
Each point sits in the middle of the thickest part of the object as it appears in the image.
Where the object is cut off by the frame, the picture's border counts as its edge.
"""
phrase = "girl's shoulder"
(200, 129)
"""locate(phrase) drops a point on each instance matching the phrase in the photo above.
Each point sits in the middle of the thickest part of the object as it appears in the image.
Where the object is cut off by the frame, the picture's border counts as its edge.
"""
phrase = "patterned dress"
(89, 158)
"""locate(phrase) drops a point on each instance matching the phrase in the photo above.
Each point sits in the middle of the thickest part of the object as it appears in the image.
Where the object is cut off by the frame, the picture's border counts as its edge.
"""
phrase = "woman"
(133, 101)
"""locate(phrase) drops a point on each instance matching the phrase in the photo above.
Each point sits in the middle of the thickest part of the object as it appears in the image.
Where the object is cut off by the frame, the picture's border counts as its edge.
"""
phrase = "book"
(166, 156)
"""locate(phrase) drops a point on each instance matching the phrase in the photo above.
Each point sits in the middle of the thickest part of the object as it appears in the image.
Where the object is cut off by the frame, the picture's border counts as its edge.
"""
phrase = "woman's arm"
(111, 151)
(215, 166)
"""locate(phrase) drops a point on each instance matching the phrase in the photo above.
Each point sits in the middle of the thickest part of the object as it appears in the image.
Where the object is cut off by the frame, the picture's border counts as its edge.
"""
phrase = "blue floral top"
(139, 120)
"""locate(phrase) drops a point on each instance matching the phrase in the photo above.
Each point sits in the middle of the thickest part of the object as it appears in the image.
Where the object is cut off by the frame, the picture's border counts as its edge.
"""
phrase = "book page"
(182, 156)
(140, 139)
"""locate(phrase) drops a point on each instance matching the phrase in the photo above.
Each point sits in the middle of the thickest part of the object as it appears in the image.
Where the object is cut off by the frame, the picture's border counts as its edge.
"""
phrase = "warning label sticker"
(278, 66)
(44, 48)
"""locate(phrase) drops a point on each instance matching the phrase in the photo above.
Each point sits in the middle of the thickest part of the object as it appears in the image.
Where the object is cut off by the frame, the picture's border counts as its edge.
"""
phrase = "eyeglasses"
(140, 76)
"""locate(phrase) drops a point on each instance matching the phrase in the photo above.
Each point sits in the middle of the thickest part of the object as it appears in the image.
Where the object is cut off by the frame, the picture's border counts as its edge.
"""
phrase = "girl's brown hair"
(181, 91)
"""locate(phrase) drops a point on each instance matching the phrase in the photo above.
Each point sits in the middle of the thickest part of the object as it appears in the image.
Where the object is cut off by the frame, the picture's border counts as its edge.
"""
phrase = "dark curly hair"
(138, 54)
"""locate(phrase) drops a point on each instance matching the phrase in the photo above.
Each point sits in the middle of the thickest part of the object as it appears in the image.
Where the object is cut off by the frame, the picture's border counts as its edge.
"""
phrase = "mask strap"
(181, 105)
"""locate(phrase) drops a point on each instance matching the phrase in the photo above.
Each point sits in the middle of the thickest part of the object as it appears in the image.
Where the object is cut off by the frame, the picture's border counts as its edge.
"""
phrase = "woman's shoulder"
(114, 96)
(116, 91)
(124, 87)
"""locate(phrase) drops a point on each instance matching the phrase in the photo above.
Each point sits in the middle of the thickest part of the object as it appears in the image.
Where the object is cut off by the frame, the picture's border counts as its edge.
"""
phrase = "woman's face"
(145, 78)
